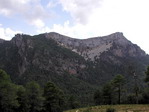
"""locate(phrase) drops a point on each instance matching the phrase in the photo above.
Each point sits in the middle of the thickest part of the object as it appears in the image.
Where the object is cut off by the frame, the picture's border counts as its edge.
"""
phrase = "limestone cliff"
(93, 47)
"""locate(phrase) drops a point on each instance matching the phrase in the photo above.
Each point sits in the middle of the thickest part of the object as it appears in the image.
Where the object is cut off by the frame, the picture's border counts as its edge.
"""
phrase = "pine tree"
(22, 100)
(118, 83)
(98, 97)
(8, 97)
(147, 76)
(107, 93)
(34, 96)
(72, 102)
(53, 98)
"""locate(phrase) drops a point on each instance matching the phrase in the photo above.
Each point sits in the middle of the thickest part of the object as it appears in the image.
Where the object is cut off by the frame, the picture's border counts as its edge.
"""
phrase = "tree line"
(114, 92)
(30, 97)
(33, 98)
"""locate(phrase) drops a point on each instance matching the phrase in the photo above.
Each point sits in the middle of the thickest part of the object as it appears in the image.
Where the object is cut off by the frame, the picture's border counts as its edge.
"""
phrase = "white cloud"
(38, 23)
(92, 19)
(29, 10)
(10, 7)
(76, 31)
(7, 33)
(80, 10)
(52, 4)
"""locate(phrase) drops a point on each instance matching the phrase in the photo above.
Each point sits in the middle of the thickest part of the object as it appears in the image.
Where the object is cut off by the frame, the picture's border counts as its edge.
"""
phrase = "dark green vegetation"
(111, 108)
(29, 98)
(40, 59)
(147, 76)
(114, 92)
(8, 97)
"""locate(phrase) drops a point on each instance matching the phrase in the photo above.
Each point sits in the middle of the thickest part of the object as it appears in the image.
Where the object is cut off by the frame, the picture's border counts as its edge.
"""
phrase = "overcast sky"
(77, 18)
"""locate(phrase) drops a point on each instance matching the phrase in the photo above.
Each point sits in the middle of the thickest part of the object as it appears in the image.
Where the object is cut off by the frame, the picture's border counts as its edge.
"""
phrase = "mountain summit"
(92, 48)
(78, 66)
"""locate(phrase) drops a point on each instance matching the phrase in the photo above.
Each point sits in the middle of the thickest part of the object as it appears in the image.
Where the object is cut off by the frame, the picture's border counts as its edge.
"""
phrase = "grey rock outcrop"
(92, 48)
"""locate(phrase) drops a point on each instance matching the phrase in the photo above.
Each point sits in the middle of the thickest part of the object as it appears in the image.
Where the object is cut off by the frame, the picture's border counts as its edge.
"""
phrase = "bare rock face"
(92, 48)
(22, 45)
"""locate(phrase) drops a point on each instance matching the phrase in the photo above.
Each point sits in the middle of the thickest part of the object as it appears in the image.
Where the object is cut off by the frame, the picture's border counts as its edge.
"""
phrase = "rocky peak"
(120, 39)
(93, 47)
(23, 44)
(63, 40)
(17, 40)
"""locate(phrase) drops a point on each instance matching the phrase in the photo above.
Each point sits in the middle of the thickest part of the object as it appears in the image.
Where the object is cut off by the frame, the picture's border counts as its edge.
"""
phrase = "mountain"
(110, 55)
(94, 47)
(78, 66)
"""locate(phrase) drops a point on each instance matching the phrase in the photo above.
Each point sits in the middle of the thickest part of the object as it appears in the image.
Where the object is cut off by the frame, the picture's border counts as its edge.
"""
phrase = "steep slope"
(46, 54)
(108, 56)
(77, 66)
(28, 58)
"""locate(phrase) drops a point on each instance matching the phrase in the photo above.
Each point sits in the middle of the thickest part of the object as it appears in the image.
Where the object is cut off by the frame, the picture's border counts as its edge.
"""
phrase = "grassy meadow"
(118, 108)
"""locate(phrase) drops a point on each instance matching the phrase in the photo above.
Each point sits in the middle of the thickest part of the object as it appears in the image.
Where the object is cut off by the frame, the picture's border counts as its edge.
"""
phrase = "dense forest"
(50, 98)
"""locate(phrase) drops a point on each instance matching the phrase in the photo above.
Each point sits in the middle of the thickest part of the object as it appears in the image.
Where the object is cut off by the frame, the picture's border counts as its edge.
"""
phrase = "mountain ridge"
(91, 47)
(77, 66)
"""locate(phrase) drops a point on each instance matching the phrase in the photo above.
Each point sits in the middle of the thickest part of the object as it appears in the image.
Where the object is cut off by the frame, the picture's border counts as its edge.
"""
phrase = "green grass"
(118, 108)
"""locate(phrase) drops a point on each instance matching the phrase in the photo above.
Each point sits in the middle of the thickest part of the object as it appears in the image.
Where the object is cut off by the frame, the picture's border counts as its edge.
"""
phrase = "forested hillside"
(80, 68)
